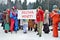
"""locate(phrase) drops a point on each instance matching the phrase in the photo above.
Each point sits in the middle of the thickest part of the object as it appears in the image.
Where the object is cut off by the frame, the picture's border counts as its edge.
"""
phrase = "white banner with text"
(27, 14)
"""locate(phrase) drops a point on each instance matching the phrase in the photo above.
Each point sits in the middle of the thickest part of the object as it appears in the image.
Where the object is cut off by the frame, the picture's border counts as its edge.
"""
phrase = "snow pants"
(12, 25)
(16, 25)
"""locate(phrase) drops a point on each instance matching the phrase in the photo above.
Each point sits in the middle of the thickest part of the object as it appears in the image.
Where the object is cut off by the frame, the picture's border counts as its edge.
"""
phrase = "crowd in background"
(11, 23)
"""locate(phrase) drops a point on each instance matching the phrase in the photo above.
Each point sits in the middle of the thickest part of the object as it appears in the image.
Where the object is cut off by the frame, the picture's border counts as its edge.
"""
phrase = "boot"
(6, 31)
(37, 33)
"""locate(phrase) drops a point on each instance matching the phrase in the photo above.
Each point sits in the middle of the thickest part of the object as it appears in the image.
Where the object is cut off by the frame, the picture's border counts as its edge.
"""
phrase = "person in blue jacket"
(14, 20)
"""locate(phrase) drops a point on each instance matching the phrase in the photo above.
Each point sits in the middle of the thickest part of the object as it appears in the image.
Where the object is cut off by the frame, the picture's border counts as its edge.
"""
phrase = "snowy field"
(31, 35)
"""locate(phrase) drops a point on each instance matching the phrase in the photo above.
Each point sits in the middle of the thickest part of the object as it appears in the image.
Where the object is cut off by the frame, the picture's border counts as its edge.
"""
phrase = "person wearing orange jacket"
(55, 18)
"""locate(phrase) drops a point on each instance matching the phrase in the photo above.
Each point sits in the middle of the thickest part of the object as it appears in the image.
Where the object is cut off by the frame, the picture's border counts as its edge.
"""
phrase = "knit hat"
(54, 6)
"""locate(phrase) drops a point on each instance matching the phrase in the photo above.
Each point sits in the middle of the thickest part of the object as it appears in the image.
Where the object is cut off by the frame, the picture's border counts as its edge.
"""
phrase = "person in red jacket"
(55, 19)
(40, 19)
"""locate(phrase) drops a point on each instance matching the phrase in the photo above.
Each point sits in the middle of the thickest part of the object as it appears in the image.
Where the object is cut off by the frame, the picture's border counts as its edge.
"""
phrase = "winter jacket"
(39, 15)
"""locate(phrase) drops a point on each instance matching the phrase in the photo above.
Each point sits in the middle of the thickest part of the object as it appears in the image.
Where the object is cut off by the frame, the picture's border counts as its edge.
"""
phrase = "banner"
(26, 14)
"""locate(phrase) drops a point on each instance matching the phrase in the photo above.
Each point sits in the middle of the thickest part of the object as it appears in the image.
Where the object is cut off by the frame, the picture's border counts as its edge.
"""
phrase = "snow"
(31, 35)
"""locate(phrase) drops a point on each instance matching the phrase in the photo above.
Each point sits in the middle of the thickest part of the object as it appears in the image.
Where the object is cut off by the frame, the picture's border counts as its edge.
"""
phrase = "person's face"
(56, 9)
(38, 9)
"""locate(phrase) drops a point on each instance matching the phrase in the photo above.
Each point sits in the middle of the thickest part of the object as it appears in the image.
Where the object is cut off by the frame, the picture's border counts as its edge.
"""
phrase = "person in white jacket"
(46, 21)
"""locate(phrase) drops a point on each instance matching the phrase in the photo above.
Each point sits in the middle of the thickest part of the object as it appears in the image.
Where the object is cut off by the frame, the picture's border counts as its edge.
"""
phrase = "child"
(30, 24)
(25, 25)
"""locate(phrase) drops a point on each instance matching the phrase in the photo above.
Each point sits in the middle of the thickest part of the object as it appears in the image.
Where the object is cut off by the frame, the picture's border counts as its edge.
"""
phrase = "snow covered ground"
(31, 35)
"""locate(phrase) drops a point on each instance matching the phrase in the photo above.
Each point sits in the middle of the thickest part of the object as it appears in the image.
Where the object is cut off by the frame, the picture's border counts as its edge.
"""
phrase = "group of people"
(11, 22)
